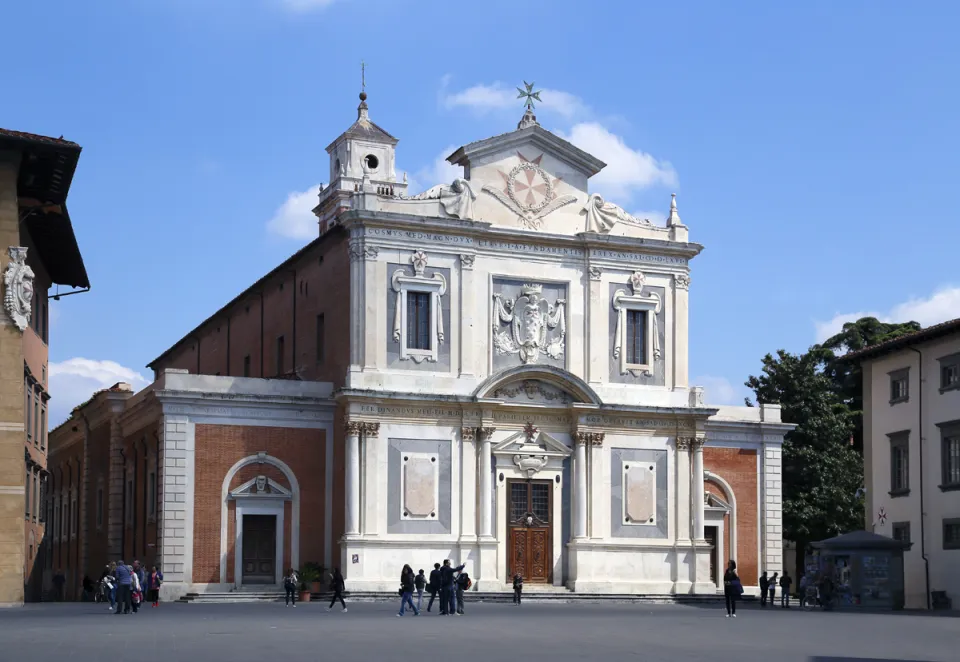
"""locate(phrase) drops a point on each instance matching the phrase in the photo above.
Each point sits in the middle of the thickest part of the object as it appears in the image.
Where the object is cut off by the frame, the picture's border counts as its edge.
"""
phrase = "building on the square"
(493, 371)
(911, 454)
(38, 250)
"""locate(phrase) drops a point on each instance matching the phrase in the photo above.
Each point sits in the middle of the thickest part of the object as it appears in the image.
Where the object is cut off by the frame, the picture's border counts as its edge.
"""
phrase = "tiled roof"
(35, 138)
(923, 335)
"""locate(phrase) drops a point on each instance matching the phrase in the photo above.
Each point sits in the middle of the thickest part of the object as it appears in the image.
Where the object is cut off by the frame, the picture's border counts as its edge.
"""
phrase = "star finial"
(529, 95)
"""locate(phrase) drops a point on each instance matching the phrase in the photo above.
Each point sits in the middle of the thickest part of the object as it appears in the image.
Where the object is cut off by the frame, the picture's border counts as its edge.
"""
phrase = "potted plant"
(308, 575)
(318, 569)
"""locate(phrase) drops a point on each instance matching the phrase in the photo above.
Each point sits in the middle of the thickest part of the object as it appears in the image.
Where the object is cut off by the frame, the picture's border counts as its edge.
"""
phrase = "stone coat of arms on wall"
(535, 325)
(18, 287)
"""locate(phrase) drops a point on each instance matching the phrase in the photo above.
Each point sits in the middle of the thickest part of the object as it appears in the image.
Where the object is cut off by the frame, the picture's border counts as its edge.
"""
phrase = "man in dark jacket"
(124, 591)
(433, 586)
(448, 597)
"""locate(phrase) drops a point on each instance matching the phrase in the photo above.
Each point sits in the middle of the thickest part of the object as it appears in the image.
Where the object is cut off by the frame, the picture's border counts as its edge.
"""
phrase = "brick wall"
(140, 525)
(738, 466)
(217, 449)
(316, 282)
(98, 478)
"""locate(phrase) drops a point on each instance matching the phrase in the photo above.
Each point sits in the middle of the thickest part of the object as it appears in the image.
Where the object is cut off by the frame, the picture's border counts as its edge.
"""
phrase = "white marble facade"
(549, 365)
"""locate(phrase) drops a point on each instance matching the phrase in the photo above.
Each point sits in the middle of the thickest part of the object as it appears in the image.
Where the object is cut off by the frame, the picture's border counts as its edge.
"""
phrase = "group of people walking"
(447, 581)
(126, 587)
(291, 583)
(733, 589)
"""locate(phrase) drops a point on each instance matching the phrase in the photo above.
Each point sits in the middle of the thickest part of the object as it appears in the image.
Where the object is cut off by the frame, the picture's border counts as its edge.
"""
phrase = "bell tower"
(363, 155)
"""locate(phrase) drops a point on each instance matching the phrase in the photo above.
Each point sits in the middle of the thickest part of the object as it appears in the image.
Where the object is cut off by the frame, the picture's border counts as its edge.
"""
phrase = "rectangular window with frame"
(152, 495)
(130, 503)
(36, 498)
(36, 418)
(418, 320)
(99, 507)
(246, 365)
(899, 464)
(321, 336)
(899, 386)
(42, 500)
(29, 491)
(636, 337)
(281, 351)
(949, 372)
(950, 455)
(951, 533)
(29, 413)
(43, 428)
(901, 531)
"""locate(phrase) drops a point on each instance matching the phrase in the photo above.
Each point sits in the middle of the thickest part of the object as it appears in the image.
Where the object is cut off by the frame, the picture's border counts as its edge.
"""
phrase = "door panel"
(259, 549)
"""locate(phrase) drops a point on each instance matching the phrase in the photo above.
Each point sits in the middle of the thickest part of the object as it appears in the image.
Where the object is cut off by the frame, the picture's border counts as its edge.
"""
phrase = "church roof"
(364, 128)
(584, 161)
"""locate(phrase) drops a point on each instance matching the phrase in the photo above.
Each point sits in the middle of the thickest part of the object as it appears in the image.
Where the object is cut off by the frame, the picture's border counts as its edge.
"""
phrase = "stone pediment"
(540, 444)
(261, 487)
(532, 391)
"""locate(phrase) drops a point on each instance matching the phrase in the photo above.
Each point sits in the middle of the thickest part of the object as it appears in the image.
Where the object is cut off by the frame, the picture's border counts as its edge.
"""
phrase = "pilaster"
(177, 454)
(357, 304)
(373, 310)
(696, 446)
(580, 485)
(683, 489)
(596, 348)
(486, 476)
(772, 560)
(370, 480)
(468, 353)
(681, 330)
(598, 524)
(351, 523)
(471, 479)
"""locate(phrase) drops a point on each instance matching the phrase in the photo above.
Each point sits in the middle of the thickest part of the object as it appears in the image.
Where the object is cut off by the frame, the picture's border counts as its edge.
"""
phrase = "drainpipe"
(923, 514)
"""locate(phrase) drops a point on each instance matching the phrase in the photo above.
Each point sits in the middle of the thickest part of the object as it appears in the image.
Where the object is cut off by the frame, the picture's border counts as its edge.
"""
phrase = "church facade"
(492, 371)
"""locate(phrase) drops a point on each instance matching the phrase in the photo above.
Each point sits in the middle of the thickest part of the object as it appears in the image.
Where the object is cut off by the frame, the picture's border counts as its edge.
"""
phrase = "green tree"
(822, 472)
(844, 373)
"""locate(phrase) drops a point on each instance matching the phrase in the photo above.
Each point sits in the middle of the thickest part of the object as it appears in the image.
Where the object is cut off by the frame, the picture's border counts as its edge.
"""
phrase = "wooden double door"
(259, 549)
(529, 523)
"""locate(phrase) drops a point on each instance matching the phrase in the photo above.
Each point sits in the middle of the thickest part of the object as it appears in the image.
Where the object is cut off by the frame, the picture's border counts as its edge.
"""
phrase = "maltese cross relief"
(529, 192)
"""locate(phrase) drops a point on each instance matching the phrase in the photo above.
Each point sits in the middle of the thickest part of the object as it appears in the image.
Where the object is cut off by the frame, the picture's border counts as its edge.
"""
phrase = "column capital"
(371, 429)
(353, 428)
(467, 434)
(684, 443)
(696, 443)
(582, 438)
(485, 434)
(596, 438)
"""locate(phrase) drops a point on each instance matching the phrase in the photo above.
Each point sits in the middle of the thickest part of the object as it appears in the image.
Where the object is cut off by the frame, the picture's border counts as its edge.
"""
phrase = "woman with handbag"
(732, 588)
(337, 586)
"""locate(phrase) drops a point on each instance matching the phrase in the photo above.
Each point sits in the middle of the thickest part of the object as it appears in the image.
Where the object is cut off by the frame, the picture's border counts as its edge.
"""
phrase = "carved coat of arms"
(535, 325)
(18, 287)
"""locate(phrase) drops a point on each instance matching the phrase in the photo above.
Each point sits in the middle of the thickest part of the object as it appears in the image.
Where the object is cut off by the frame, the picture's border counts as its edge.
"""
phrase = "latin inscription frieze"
(642, 257)
(414, 235)
(410, 412)
(635, 423)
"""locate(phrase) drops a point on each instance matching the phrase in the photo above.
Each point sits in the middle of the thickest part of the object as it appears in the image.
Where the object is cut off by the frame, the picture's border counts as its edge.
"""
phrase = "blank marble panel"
(639, 493)
(620, 500)
(419, 486)
(397, 494)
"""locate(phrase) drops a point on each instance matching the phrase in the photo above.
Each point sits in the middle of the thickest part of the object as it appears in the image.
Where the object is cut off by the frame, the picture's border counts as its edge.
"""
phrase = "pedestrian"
(419, 582)
(434, 585)
(113, 585)
(447, 594)
(773, 587)
(58, 581)
(785, 583)
(154, 580)
(463, 585)
(141, 573)
(136, 589)
(290, 582)
(732, 588)
(107, 586)
(407, 582)
(124, 588)
(764, 585)
(517, 588)
(337, 586)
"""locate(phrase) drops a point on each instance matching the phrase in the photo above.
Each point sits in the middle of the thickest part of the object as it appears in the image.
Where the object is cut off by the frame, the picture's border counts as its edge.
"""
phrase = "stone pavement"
(558, 633)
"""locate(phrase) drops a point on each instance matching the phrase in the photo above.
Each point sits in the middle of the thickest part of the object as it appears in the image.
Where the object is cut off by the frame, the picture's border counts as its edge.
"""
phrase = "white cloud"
(627, 169)
(498, 96)
(294, 219)
(440, 171)
(942, 305)
(303, 6)
(73, 381)
(720, 391)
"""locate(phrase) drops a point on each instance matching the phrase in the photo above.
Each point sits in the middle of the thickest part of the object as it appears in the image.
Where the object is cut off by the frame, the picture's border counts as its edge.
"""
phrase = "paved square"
(271, 632)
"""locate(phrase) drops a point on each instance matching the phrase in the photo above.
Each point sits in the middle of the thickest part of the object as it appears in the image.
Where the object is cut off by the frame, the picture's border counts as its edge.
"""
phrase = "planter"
(315, 587)
(304, 596)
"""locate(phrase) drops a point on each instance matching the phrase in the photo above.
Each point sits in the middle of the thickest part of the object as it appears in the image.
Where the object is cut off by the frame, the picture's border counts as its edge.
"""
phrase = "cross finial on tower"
(363, 76)
(528, 95)
(362, 108)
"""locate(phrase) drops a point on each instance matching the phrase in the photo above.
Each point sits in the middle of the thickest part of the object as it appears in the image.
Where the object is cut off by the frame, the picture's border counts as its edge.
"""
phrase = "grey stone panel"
(510, 289)
(659, 368)
(618, 529)
(393, 348)
(395, 451)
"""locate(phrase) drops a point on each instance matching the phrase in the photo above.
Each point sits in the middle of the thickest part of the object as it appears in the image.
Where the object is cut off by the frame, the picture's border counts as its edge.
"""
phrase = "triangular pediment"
(540, 444)
(261, 487)
(713, 501)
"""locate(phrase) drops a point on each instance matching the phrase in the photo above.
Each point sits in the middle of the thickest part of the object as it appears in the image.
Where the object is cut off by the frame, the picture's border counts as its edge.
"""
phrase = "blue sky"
(812, 147)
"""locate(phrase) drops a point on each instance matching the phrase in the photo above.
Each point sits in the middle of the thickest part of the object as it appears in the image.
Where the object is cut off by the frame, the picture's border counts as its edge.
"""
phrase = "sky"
(812, 147)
